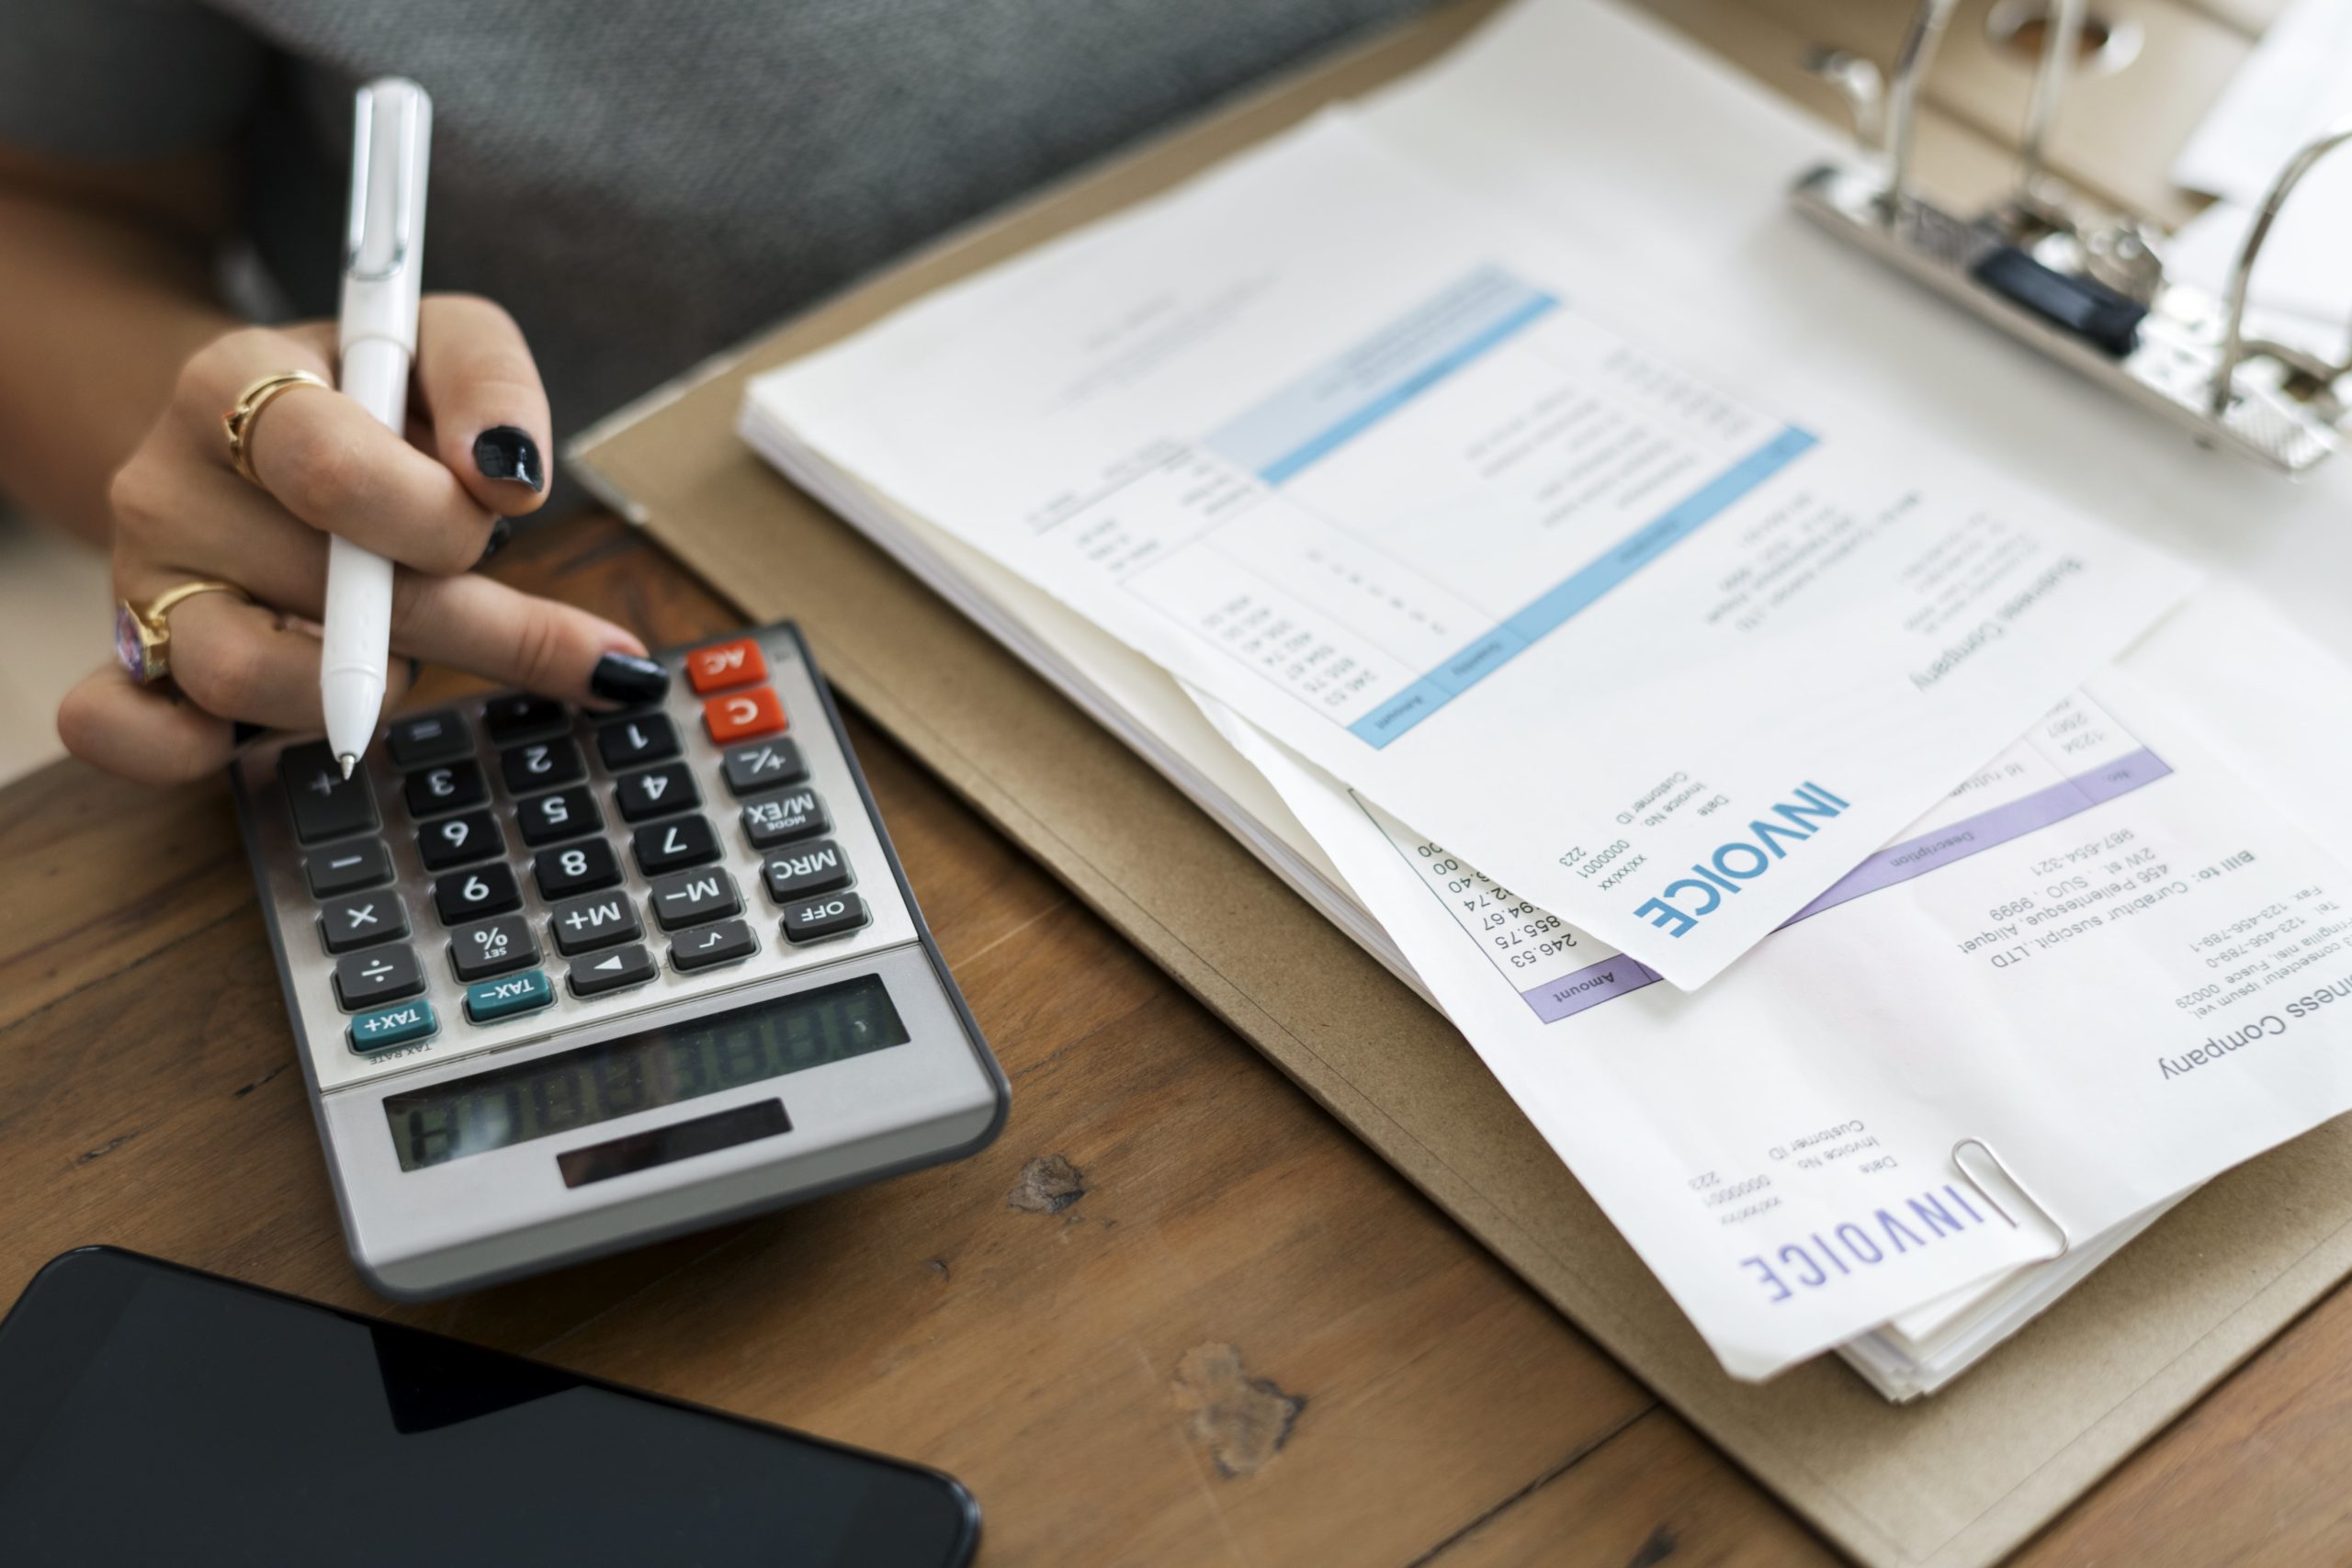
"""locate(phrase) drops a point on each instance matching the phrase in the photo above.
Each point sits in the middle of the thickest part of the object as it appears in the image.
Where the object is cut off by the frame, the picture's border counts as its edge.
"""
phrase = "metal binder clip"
(2083, 283)
(2065, 1242)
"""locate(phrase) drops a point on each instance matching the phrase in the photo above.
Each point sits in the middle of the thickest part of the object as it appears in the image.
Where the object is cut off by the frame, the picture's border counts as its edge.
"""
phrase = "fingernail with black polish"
(500, 532)
(507, 452)
(625, 678)
(416, 670)
(241, 732)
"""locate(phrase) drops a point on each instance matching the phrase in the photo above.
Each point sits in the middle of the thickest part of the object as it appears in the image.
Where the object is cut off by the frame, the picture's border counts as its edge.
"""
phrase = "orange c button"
(741, 715)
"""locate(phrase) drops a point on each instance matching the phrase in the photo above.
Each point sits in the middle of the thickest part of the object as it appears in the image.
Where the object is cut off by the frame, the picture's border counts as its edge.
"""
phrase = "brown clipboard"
(1954, 1481)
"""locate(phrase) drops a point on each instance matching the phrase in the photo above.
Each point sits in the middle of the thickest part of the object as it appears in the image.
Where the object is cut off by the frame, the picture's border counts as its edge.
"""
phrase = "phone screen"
(149, 1413)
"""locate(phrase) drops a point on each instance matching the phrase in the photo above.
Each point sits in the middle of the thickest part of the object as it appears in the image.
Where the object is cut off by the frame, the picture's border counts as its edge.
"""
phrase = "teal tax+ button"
(387, 1027)
(490, 999)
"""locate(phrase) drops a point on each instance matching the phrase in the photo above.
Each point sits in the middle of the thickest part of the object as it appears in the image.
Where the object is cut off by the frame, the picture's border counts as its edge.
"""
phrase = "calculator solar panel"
(564, 982)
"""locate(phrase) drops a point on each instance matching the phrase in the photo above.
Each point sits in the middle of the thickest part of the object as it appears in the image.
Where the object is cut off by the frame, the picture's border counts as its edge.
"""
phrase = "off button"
(814, 920)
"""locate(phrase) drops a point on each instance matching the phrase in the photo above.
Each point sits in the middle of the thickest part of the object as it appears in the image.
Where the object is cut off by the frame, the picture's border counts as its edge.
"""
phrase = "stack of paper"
(1355, 498)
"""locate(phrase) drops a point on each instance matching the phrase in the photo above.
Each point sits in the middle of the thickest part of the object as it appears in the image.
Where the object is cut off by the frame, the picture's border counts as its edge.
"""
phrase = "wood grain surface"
(1175, 1316)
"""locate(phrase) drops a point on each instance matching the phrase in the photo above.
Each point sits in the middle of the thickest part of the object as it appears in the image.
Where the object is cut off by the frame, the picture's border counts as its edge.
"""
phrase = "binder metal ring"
(2235, 347)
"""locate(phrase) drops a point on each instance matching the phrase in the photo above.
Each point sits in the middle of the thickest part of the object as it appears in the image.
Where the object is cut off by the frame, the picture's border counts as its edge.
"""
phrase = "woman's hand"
(431, 503)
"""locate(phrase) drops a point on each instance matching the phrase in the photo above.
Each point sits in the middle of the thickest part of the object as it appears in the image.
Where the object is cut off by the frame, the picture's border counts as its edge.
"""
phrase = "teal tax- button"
(488, 1000)
(387, 1027)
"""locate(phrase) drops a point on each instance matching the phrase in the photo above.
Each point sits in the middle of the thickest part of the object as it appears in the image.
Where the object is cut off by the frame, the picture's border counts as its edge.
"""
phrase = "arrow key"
(617, 970)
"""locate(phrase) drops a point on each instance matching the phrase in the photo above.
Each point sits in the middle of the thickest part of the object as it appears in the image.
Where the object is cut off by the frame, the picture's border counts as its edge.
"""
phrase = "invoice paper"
(1338, 448)
(2111, 963)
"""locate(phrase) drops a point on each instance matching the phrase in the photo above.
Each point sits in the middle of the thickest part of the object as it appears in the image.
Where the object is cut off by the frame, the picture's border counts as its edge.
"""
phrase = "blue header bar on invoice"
(1578, 590)
(1353, 390)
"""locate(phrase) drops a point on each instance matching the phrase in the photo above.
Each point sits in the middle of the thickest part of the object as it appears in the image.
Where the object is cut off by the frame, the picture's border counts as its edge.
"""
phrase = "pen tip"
(349, 762)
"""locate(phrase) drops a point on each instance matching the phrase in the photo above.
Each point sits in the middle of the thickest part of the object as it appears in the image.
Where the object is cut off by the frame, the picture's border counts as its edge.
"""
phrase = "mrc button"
(812, 868)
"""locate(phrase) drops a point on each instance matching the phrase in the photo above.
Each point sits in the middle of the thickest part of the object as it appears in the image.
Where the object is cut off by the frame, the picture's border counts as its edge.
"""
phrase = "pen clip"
(371, 166)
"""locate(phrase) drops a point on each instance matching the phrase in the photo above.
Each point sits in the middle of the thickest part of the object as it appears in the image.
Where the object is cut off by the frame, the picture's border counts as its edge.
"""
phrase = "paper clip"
(2065, 1241)
(2084, 284)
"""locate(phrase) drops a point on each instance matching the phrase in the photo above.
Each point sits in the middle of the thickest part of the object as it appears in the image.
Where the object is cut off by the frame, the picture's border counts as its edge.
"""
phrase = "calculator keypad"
(770, 765)
(741, 714)
(459, 841)
(540, 764)
(795, 874)
(568, 869)
(523, 717)
(461, 896)
(656, 791)
(362, 919)
(427, 738)
(491, 947)
(693, 898)
(339, 868)
(780, 818)
(599, 920)
(706, 947)
(633, 741)
(325, 804)
(815, 919)
(377, 975)
(610, 866)
(613, 971)
(738, 662)
(667, 846)
(564, 814)
(450, 786)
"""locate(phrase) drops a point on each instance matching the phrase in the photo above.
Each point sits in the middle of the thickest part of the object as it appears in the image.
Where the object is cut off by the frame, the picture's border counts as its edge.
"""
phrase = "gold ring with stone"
(142, 638)
(239, 420)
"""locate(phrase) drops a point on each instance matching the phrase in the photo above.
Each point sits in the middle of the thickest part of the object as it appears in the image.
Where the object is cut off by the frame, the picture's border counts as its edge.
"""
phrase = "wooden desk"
(1176, 1316)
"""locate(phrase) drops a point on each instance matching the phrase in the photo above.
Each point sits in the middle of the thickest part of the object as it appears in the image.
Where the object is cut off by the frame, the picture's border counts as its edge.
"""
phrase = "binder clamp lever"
(2083, 283)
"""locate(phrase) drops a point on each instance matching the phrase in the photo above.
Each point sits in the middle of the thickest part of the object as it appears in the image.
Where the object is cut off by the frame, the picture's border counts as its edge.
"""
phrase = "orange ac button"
(739, 715)
(725, 664)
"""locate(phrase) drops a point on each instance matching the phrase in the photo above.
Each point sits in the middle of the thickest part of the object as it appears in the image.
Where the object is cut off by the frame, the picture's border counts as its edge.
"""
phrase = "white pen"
(383, 258)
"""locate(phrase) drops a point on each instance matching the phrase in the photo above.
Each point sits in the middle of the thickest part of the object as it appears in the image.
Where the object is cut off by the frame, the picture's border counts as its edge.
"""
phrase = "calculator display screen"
(642, 1072)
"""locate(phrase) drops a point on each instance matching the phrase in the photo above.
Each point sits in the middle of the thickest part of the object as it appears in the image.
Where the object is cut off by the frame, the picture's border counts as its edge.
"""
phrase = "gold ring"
(142, 638)
(238, 420)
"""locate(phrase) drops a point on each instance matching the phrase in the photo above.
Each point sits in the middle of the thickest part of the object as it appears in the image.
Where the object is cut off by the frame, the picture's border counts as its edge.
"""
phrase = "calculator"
(565, 982)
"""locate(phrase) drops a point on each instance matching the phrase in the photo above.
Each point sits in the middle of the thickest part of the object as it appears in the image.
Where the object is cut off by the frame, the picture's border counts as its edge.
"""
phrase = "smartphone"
(151, 1413)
